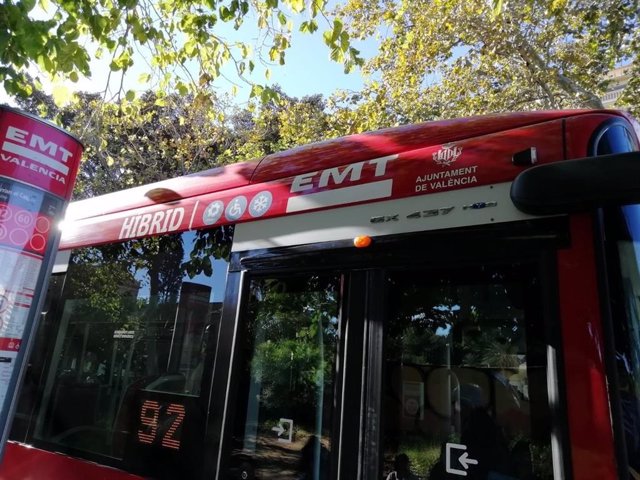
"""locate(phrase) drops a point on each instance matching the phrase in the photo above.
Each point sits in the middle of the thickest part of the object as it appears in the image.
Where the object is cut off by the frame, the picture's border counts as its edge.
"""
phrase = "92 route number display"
(161, 424)
(165, 435)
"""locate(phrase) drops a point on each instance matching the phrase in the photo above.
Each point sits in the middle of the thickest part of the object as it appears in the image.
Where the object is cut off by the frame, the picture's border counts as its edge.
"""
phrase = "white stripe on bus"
(340, 196)
(35, 156)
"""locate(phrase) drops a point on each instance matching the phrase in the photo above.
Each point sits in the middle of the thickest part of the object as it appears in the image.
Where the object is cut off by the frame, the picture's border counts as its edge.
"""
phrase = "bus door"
(428, 356)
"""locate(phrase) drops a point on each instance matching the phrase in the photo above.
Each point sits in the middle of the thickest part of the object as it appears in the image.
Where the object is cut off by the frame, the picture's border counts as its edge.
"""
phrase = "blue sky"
(308, 69)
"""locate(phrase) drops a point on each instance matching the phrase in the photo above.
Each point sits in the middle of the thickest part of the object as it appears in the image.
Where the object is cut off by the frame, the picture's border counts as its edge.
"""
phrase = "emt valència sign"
(38, 166)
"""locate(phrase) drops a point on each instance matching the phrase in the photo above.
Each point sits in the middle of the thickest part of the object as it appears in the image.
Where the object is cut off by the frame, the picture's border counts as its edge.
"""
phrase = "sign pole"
(38, 166)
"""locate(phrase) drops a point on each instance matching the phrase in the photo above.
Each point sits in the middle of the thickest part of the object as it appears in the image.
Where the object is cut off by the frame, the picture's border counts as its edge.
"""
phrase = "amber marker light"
(362, 241)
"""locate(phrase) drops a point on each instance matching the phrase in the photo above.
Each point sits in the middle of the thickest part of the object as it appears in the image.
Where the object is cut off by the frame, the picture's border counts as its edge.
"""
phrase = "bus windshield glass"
(626, 323)
(133, 327)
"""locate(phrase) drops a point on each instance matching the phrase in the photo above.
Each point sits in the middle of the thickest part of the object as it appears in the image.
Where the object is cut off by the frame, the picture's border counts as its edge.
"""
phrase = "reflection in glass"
(283, 418)
(135, 316)
(624, 229)
(459, 369)
(622, 239)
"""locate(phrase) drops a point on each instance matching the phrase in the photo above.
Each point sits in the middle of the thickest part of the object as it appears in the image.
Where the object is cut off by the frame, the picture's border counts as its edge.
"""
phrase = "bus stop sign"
(38, 166)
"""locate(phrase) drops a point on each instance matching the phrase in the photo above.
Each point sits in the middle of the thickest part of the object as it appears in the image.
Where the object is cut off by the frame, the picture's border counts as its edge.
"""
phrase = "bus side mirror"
(578, 185)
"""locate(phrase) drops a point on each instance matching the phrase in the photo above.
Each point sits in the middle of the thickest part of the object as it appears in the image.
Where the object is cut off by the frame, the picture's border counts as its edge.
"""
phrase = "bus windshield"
(132, 331)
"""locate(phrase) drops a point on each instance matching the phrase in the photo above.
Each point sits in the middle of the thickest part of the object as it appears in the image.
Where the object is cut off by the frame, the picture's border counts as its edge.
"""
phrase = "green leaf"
(337, 55)
(245, 50)
(139, 32)
(27, 5)
(328, 37)
(256, 91)
(296, 5)
(344, 41)
(190, 48)
(337, 28)
(61, 95)
(182, 88)
(122, 61)
(130, 95)
(317, 6)
(225, 14)
(204, 80)
(274, 52)
(309, 26)
(331, 37)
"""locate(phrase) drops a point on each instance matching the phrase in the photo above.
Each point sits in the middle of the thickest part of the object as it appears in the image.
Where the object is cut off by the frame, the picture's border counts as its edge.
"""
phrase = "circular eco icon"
(213, 212)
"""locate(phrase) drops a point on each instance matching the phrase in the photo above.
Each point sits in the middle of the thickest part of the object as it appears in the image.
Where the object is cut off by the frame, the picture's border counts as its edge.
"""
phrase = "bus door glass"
(465, 375)
(390, 370)
(285, 400)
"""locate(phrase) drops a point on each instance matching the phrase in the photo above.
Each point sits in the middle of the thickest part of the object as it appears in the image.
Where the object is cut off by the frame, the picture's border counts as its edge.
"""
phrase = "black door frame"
(359, 373)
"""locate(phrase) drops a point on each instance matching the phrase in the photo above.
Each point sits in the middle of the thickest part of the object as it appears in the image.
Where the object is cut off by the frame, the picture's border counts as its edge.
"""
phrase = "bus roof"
(307, 158)
(379, 165)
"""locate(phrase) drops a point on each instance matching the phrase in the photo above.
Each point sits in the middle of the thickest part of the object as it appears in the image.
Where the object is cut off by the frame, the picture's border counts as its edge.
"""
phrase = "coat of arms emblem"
(447, 155)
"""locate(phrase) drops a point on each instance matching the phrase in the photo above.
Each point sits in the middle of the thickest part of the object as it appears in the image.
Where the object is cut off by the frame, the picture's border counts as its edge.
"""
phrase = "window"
(465, 375)
(623, 228)
(285, 401)
(133, 328)
(622, 243)
(614, 139)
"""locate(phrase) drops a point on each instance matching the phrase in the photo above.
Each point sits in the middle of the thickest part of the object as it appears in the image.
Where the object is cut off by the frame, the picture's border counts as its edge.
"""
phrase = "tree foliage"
(186, 44)
(146, 140)
(448, 58)
(295, 329)
(436, 59)
(151, 141)
(263, 129)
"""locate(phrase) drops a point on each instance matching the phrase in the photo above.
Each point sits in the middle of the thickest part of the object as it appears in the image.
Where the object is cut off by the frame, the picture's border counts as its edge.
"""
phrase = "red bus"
(450, 299)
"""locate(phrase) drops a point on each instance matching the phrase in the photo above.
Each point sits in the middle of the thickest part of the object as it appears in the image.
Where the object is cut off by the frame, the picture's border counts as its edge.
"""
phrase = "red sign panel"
(38, 154)
(38, 165)
(23, 229)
